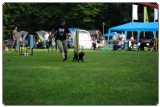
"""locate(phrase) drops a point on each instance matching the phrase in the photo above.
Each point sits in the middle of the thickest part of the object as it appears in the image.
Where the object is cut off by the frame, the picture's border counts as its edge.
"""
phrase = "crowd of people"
(60, 37)
(96, 44)
(118, 41)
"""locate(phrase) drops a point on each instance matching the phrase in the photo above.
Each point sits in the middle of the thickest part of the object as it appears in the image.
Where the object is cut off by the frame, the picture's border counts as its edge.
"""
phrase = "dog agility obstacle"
(77, 54)
(26, 49)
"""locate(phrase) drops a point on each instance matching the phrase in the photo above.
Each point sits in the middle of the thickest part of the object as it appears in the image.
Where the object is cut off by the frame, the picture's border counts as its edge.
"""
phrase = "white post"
(103, 27)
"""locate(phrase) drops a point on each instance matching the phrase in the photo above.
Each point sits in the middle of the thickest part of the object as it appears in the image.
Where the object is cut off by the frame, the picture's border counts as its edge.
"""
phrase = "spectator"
(132, 42)
(14, 38)
(46, 39)
(122, 39)
(50, 37)
(46, 36)
(142, 44)
(120, 44)
(71, 43)
(55, 38)
(102, 43)
(94, 43)
(115, 41)
(98, 36)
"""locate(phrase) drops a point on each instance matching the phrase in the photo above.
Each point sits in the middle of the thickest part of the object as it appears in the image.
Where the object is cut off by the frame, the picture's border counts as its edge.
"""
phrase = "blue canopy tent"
(138, 27)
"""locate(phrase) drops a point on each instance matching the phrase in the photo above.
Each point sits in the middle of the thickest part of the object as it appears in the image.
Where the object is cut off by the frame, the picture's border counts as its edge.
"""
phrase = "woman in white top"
(132, 41)
(115, 41)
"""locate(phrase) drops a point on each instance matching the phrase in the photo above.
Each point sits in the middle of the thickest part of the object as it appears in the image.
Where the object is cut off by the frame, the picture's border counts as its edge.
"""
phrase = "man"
(46, 40)
(62, 33)
(122, 40)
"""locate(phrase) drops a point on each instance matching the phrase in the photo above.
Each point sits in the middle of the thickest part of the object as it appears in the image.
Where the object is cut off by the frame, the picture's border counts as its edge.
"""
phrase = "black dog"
(75, 58)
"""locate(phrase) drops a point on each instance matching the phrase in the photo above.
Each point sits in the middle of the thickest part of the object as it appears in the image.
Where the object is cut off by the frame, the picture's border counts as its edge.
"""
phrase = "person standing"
(132, 42)
(46, 40)
(98, 36)
(50, 41)
(94, 43)
(14, 37)
(62, 33)
(115, 41)
(122, 39)
(54, 39)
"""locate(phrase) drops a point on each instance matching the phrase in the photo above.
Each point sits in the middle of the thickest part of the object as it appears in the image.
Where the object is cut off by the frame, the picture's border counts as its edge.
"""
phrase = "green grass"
(104, 78)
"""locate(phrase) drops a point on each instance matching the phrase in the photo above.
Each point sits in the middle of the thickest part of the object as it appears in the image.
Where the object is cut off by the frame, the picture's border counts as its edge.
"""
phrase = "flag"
(155, 14)
(134, 12)
(145, 14)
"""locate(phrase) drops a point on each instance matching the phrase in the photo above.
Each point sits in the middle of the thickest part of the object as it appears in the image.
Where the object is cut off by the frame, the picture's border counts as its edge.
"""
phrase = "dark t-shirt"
(61, 32)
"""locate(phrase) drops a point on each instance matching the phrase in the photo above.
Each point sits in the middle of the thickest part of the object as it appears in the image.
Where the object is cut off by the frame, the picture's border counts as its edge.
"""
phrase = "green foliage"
(45, 16)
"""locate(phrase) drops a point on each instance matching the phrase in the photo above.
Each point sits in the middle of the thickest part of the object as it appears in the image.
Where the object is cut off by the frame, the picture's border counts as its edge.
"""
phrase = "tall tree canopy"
(45, 16)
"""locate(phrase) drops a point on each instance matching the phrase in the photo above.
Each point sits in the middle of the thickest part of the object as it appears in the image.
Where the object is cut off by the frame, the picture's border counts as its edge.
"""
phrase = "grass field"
(104, 78)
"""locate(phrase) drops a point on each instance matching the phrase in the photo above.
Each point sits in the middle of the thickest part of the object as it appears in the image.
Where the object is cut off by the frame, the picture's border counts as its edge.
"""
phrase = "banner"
(155, 14)
(145, 15)
(134, 12)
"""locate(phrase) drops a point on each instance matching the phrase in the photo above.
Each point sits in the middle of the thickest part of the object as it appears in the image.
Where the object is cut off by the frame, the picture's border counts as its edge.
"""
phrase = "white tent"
(85, 40)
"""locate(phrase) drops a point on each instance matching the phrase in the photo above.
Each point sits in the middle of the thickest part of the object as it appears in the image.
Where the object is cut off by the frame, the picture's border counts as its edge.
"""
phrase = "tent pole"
(125, 33)
(144, 34)
(154, 33)
(138, 37)
(108, 37)
(103, 27)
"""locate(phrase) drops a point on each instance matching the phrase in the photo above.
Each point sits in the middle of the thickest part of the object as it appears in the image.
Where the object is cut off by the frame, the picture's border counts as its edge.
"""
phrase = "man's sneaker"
(65, 56)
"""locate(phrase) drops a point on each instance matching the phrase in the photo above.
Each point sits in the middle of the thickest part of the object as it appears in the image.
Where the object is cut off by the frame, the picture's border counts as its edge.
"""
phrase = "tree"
(45, 16)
